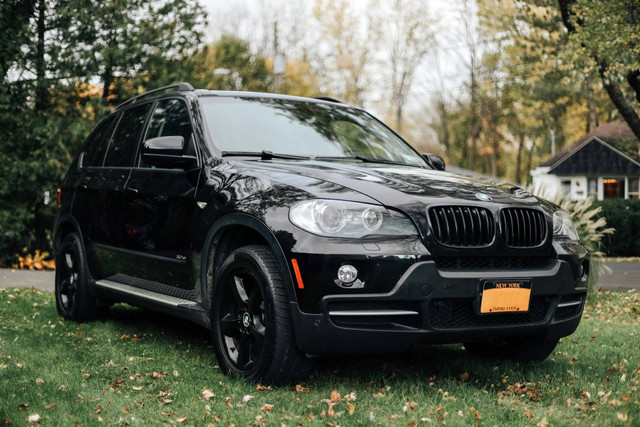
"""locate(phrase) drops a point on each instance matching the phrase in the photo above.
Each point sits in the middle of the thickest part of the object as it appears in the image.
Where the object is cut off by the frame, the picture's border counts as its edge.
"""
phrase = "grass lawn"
(143, 368)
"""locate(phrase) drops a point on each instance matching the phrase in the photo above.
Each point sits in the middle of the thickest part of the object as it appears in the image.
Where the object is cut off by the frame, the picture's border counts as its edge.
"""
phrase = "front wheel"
(251, 321)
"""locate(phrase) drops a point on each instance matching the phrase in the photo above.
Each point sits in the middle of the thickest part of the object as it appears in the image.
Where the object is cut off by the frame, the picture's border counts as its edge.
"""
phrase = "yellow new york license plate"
(506, 296)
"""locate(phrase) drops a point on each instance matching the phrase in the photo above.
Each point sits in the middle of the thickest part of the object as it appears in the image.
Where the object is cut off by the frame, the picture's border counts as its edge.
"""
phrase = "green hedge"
(624, 216)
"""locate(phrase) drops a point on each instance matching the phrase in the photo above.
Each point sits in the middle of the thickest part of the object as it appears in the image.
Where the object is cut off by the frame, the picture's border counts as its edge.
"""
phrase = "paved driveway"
(624, 276)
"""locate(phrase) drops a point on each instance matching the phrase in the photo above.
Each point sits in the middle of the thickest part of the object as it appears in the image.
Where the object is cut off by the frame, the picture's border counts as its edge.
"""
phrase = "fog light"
(347, 273)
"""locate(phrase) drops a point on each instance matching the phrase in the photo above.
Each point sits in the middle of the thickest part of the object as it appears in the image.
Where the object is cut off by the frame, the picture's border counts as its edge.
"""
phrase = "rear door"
(160, 208)
(100, 200)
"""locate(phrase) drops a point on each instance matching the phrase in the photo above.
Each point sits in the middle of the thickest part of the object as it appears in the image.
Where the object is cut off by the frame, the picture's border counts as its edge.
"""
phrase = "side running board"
(157, 301)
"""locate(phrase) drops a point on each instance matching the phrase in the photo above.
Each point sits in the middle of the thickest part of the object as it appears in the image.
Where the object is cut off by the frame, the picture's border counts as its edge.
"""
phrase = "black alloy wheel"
(242, 319)
(251, 320)
(74, 300)
(68, 279)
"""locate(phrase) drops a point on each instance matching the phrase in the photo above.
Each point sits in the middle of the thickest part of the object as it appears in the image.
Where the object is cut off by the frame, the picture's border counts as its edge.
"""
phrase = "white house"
(603, 164)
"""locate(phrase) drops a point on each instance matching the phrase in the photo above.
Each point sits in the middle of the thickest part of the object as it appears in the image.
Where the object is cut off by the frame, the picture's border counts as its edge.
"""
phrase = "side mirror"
(434, 160)
(166, 152)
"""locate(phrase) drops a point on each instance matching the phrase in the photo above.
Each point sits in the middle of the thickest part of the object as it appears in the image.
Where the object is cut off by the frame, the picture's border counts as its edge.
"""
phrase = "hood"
(390, 185)
(411, 190)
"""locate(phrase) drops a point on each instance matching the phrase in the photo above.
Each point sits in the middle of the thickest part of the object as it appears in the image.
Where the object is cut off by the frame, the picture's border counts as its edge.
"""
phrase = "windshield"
(300, 128)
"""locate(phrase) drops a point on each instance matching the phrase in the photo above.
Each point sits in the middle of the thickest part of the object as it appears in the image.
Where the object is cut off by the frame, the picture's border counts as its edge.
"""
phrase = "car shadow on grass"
(424, 365)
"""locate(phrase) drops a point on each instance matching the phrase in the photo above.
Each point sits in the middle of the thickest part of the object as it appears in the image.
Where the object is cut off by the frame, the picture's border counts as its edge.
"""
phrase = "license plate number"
(505, 296)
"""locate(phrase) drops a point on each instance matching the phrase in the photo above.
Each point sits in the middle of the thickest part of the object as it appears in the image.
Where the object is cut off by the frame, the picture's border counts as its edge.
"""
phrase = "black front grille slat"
(462, 226)
(523, 228)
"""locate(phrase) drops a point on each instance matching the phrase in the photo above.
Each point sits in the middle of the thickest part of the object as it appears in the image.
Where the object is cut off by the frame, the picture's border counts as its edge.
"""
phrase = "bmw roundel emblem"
(483, 197)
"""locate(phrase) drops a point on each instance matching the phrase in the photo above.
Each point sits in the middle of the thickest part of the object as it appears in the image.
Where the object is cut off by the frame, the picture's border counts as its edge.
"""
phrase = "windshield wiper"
(264, 155)
(362, 159)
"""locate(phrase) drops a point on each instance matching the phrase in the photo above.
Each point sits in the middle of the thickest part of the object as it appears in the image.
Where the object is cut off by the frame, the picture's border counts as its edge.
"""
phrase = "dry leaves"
(37, 261)
(208, 394)
(267, 407)
(301, 389)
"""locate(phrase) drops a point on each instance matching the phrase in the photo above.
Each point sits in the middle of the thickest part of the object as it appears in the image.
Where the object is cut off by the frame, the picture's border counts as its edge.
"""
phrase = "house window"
(613, 188)
(565, 187)
(634, 188)
(592, 188)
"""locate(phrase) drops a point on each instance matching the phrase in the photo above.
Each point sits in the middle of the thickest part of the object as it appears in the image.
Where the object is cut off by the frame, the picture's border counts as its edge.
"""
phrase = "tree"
(117, 39)
(350, 39)
(408, 37)
(607, 31)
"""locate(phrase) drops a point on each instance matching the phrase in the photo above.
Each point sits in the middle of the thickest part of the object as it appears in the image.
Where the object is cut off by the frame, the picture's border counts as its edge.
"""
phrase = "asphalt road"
(624, 276)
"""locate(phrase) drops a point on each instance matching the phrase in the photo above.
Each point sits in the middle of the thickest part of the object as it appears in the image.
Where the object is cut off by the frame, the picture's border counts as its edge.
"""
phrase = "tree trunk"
(592, 116)
(40, 63)
(399, 118)
(444, 126)
(518, 177)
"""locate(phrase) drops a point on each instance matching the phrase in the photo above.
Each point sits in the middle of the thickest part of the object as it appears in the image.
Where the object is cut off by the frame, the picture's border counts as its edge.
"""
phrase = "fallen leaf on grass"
(23, 406)
(158, 374)
(181, 420)
(267, 407)
(50, 406)
(528, 413)
(227, 401)
(351, 408)
(176, 373)
(39, 381)
(464, 376)
(260, 387)
(300, 389)
(475, 413)
(335, 396)
(34, 419)
(246, 398)
(137, 387)
(208, 394)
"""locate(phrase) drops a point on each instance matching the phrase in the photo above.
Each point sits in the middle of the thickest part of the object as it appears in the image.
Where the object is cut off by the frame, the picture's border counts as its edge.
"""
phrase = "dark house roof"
(610, 149)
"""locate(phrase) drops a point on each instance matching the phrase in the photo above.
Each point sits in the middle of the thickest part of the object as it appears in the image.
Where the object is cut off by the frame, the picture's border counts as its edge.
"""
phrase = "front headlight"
(563, 226)
(336, 218)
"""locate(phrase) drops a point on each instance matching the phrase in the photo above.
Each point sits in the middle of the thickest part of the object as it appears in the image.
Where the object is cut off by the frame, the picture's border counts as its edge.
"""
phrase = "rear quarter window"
(96, 144)
(126, 136)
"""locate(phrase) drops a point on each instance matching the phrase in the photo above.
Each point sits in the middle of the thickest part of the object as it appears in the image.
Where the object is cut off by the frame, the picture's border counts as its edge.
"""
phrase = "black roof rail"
(182, 87)
(326, 98)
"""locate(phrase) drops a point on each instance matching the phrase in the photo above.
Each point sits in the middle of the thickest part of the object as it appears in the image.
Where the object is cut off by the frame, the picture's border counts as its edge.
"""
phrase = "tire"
(74, 300)
(524, 349)
(251, 322)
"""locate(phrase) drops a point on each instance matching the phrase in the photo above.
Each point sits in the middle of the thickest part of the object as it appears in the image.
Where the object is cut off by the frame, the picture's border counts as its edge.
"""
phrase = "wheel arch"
(246, 230)
(65, 225)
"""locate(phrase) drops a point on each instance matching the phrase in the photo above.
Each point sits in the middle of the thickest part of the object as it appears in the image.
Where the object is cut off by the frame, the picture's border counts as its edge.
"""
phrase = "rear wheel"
(251, 321)
(74, 300)
(525, 349)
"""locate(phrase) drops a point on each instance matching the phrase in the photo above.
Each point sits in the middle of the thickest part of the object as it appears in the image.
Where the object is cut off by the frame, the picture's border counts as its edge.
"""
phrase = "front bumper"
(441, 306)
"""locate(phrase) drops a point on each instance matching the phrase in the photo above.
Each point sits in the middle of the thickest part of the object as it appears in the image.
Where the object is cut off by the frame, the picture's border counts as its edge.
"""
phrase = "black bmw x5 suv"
(294, 227)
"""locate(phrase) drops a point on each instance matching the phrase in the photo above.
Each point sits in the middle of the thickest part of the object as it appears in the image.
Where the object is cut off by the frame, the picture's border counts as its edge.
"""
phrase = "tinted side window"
(171, 118)
(97, 143)
(125, 138)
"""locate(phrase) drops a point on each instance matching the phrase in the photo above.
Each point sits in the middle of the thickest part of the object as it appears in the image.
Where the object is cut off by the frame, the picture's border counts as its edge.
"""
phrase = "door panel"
(99, 203)
(160, 207)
